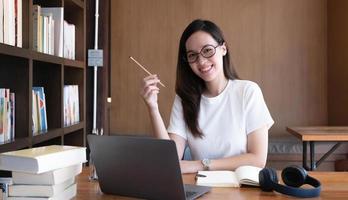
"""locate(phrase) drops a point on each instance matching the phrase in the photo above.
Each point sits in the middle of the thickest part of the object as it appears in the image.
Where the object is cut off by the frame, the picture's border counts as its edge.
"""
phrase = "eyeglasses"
(207, 51)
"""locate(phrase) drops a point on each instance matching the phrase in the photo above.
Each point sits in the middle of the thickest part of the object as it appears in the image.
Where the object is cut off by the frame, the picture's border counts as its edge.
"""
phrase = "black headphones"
(293, 177)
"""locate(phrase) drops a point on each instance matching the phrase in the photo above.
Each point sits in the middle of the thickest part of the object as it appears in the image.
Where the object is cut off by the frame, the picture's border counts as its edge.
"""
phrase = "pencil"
(143, 68)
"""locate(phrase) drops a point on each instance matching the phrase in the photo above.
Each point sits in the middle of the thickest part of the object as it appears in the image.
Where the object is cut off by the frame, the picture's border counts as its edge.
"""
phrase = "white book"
(69, 40)
(9, 22)
(48, 178)
(1, 21)
(69, 193)
(58, 17)
(247, 175)
(19, 23)
(6, 22)
(42, 159)
(39, 190)
(76, 102)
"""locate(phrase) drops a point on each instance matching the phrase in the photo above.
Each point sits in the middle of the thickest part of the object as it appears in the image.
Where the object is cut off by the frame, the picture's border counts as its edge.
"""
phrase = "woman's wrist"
(153, 109)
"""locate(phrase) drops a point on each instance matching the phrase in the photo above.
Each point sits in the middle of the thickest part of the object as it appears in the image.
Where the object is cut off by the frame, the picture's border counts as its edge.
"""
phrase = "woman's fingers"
(150, 80)
(148, 91)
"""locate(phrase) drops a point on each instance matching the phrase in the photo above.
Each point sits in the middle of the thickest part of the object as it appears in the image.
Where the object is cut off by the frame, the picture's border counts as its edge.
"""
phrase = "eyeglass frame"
(200, 53)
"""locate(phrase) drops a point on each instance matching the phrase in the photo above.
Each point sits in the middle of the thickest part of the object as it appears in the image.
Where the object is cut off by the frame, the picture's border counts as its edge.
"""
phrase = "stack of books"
(44, 172)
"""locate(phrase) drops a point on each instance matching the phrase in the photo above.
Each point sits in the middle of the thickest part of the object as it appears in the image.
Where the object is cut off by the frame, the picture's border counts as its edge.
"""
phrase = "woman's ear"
(224, 49)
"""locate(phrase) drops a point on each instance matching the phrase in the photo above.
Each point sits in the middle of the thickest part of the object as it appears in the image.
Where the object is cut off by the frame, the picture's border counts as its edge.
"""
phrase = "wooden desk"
(334, 186)
(318, 134)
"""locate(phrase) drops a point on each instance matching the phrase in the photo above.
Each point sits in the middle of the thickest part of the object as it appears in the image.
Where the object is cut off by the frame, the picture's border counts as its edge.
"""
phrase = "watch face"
(206, 163)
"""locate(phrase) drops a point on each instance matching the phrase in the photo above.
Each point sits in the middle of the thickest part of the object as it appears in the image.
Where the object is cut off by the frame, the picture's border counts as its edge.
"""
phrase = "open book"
(243, 175)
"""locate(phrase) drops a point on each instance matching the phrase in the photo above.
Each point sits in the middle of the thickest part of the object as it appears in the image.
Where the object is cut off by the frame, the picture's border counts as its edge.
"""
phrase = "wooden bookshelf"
(23, 68)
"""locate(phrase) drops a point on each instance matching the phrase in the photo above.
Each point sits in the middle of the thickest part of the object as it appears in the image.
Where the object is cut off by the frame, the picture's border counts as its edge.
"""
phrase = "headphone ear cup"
(294, 176)
(267, 177)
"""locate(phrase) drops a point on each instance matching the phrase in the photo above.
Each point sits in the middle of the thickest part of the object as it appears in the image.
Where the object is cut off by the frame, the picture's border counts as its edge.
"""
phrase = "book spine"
(2, 99)
(36, 14)
(13, 115)
(1, 21)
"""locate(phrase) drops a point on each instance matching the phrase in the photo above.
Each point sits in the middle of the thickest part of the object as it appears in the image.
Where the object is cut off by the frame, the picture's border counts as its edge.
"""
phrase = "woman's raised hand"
(149, 91)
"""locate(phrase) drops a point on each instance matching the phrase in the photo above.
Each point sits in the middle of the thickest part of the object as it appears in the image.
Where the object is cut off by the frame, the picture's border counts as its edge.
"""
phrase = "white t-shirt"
(225, 120)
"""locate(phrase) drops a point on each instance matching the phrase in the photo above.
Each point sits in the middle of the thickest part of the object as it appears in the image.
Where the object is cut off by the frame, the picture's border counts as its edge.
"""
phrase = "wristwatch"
(206, 162)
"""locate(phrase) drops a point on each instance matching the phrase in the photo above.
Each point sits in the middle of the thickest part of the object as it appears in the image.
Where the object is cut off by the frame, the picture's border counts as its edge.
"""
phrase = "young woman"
(222, 119)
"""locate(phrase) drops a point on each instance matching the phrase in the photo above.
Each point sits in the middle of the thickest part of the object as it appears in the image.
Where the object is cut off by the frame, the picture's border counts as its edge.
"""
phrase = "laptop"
(140, 167)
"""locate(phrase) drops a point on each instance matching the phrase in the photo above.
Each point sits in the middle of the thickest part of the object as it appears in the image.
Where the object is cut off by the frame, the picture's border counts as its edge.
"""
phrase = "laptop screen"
(137, 166)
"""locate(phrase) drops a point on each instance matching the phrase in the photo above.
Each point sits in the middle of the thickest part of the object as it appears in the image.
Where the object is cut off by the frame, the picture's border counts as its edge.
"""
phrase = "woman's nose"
(201, 60)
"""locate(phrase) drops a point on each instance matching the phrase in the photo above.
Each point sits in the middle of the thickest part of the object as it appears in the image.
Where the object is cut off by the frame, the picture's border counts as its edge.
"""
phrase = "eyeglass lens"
(207, 52)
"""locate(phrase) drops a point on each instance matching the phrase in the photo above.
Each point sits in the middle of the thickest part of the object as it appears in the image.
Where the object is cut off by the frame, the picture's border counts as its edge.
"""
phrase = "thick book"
(68, 193)
(48, 178)
(39, 190)
(243, 175)
(42, 159)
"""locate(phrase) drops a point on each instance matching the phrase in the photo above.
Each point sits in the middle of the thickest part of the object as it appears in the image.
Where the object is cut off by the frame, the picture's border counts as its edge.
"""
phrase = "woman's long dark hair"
(189, 86)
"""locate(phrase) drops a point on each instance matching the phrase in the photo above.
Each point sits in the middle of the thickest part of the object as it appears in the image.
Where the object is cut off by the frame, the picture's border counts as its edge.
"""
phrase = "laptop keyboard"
(190, 194)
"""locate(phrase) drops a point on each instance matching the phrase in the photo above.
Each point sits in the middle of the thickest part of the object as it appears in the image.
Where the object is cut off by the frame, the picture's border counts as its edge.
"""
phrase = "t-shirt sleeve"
(177, 123)
(256, 112)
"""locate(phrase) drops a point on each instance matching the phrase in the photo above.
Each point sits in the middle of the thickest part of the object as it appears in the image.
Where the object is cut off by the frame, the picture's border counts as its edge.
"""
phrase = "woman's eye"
(192, 55)
(207, 50)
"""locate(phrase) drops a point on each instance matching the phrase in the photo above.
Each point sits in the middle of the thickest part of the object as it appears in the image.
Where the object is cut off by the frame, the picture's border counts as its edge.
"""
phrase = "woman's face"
(208, 69)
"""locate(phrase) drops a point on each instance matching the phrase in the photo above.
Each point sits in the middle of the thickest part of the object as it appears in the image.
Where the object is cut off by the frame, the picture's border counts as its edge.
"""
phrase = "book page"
(217, 179)
(248, 175)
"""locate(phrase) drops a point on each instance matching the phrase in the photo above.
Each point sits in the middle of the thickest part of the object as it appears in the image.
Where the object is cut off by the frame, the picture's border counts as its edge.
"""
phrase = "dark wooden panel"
(337, 62)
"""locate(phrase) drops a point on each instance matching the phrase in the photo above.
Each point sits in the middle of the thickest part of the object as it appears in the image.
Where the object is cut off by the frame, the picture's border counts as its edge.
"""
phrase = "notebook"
(140, 167)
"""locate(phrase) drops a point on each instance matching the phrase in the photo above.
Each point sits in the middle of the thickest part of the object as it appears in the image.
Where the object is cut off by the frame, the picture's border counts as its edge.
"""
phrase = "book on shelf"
(47, 33)
(48, 30)
(1, 21)
(41, 108)
(71, 105)
(11, 22)
(39, 190)
(7, 115)
(35, 113)
(57, 14)
(36, 34)
(18, 20)
(69, 41)
(13, 115)
(42, 159)
(68, 193)
(243, 175)
(48, 178)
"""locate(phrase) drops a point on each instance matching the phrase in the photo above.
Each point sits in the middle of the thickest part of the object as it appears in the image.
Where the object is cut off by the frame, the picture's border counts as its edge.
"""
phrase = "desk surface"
(320, 133)
(334, 186)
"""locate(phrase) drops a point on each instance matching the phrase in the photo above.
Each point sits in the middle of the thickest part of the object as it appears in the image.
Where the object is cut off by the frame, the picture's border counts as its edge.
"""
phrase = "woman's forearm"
(158, 126)
(230, 163)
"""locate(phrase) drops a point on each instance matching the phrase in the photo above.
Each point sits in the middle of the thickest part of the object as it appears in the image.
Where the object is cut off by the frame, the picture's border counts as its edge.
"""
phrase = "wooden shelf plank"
(50, 134)
(75, 127)
(46, 57)
(14, 51)
(19, 143)
(74, 63)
